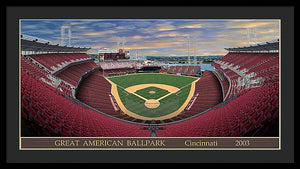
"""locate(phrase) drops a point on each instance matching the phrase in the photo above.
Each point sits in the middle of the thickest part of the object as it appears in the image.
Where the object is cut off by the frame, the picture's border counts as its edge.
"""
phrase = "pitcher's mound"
(151, 104)
(152, 92)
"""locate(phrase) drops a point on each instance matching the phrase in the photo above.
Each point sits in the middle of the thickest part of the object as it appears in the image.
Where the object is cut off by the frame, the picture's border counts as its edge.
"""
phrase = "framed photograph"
(192, 83)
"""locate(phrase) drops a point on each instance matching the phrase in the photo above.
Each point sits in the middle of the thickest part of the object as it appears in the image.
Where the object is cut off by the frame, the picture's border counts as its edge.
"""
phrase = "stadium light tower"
(255, 38)
(118, 42)
(188, 43)
(195, 48)
(63, 38)
(248, 36)
(69, 36)
(123, 43)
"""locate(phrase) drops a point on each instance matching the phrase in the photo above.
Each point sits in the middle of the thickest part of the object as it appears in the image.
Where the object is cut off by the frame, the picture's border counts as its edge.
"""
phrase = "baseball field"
(152, 96)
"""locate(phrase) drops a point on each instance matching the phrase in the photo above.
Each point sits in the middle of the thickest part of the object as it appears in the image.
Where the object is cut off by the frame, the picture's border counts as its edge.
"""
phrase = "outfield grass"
(168, 79)
(168, 104)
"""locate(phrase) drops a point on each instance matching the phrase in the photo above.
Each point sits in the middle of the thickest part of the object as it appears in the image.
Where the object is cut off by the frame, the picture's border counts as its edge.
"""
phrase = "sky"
(157, 37)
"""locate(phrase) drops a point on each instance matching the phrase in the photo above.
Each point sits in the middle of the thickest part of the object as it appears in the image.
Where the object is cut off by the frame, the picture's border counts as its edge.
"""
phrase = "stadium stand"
(120, 71)
(115, 64)
(54, 114)
(184, 70)
(239, 117)
(247, 70)
(239, 98)
(209, 93)
(223, 81)
(117, 67)
(95, 91)
(34, 70)
(56, 61)
(73, 73)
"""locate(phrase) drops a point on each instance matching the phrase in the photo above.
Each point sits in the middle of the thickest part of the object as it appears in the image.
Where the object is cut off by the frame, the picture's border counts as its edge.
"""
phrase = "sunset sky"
(157, 37)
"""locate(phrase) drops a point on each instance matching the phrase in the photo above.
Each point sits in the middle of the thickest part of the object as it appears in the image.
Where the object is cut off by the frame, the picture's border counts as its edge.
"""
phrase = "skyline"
(157, 37)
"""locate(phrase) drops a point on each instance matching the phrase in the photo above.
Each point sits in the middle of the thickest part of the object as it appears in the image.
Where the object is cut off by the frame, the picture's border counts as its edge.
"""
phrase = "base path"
(151, 103)
(135, 88)
(170, 89)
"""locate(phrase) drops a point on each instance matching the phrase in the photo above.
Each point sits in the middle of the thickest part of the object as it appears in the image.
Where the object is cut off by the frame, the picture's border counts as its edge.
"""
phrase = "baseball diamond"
(152, 96)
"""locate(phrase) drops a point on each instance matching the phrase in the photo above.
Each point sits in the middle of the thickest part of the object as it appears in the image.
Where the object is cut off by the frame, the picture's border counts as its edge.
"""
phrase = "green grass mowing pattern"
(168, 79)
(167, 105)
(158, 93)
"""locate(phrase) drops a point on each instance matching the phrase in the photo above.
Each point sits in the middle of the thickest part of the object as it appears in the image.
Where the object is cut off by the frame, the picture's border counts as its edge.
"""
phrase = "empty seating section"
(73, 73)
(57, 115)
(34, 70)
(164, 69)
(115, 64)
(223, 80)
(95, 91)
(254, 108)
(209, 94)
(247, 70)
(185, 70)
(250, 78)
(119, 71)
(38, 72)
(65, 88)
(117, 67)
(57, 61)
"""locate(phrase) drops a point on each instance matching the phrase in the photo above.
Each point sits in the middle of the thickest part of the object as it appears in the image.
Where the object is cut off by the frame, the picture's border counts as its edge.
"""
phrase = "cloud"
(251, 24)
(40, 31)
(170, 34)
(155, 36)
(142, 23)
(103, 24)
(125, 27)
(100, 33)
(157, 44)
(30, 27)
(75, 23)
(193, 25)
(133, 38)
(100, 45)
(164, 27)
(201, 24)
(157, 28)
(79, 27)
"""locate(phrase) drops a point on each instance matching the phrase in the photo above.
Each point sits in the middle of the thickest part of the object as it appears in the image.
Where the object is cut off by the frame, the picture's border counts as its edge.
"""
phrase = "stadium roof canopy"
(38, 45)
(271, 46)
